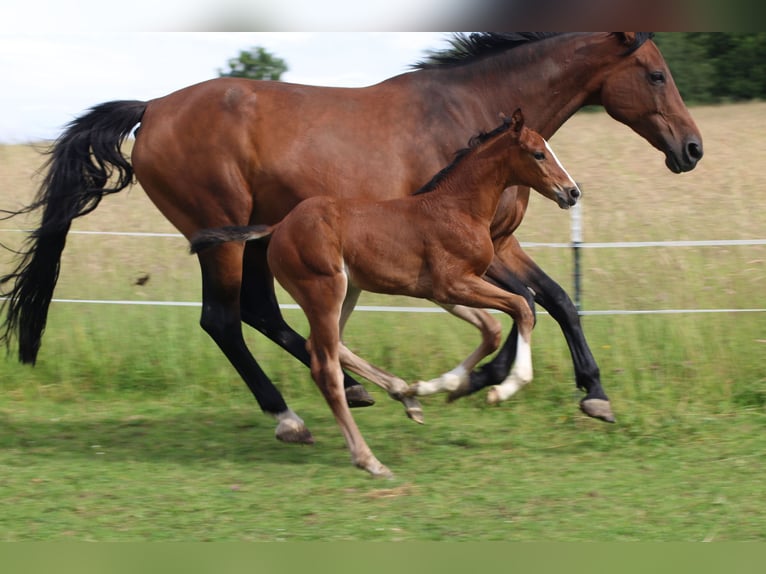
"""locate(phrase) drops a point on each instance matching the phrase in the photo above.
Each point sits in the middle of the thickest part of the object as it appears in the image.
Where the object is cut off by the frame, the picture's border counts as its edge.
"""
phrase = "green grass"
(162, 442)
(154, 470)
(133, 426)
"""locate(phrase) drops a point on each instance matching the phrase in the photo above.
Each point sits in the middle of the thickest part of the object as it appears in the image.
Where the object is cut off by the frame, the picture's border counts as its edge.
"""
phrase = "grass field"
(133, 426)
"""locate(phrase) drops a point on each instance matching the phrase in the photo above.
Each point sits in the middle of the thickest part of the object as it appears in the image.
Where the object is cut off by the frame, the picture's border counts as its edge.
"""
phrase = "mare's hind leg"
(456, 381)
(221, 278)
(260, 310)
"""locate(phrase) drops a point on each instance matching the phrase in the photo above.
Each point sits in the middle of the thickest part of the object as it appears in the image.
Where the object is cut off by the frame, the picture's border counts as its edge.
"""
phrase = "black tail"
(210, 237)
(82, 162)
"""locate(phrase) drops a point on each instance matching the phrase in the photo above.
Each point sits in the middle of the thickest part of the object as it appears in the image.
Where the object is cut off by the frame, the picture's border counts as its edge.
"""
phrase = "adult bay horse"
(239, 152)
(435, 244)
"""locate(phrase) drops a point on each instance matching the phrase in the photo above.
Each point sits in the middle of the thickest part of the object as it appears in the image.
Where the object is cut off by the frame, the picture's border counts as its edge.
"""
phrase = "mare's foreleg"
(497, 370)
(260, 310)
(221, 280)
(457, 380)
(549, 294)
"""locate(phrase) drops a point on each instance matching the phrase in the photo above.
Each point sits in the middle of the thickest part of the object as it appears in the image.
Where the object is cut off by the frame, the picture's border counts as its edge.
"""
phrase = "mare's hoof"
(598, 409)
(294, 434)
(357, 397)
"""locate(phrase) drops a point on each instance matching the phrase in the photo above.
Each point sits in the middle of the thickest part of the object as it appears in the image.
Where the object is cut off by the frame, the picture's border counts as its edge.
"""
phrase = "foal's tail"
(81, 164)
(210, 237)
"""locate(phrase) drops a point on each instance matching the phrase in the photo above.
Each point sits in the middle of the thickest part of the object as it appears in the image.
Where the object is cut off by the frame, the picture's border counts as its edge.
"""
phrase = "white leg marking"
(289, 420)
(521, 374)
(491, 331)
(449, 382)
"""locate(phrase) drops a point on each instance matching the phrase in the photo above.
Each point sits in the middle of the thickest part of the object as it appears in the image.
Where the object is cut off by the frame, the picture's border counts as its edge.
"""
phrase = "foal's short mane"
(461, 154)
(465, 48)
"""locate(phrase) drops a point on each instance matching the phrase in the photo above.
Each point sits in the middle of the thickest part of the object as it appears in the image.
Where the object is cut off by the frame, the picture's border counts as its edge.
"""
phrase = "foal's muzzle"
(568, 196)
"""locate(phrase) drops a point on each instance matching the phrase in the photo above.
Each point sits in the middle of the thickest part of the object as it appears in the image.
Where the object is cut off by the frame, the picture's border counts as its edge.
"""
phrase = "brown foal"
(435, 244)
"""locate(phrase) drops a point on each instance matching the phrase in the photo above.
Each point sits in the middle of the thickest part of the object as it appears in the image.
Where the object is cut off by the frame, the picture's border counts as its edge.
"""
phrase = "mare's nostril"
(574, 193)
(694, 150)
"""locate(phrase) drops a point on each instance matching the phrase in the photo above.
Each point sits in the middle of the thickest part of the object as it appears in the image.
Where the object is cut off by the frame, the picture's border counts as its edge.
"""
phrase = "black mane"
(466, 48)
(461, 154)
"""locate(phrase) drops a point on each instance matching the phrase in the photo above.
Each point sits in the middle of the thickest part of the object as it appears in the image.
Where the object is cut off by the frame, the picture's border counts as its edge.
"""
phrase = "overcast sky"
(47, 78)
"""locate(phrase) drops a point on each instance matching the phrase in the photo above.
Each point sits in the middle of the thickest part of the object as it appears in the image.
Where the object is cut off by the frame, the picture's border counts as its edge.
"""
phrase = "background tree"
(712, 67)
(255, 64)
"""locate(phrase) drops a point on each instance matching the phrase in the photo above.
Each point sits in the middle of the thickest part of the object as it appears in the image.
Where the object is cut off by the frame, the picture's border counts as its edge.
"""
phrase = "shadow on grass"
(193, 438)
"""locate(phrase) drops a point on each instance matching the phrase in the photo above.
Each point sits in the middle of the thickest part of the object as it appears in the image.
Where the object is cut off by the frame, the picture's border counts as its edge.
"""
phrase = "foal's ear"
(516, 120)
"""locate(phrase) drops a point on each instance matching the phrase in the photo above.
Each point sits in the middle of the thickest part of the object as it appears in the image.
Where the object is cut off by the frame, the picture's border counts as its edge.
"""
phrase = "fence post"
(576, 244)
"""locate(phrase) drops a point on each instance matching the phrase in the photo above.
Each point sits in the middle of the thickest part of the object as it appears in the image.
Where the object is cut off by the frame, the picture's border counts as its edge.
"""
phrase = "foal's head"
(535, 165)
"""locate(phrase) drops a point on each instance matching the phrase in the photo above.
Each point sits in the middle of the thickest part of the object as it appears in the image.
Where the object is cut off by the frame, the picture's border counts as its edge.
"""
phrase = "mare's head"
(535, 165)
(640, 92)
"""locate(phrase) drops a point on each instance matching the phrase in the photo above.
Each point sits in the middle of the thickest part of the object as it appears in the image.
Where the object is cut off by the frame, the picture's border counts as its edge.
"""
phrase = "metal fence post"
(576, 244)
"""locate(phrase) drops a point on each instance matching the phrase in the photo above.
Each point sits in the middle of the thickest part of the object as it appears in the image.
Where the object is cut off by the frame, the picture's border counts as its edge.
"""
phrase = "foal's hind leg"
(396, 387)
(221, 276)
(260, 310)
(457, 380)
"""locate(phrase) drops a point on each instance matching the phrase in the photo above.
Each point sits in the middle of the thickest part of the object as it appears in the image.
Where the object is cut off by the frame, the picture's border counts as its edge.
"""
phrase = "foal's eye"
(539, 156)
(657, 78)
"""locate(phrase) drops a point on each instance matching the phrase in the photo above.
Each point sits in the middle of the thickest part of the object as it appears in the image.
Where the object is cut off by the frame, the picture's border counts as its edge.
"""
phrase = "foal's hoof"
(493, 396)
(378, 470)
(413, 410)
(416, 414)
(357, 397)
(598, 409)
(295, 434)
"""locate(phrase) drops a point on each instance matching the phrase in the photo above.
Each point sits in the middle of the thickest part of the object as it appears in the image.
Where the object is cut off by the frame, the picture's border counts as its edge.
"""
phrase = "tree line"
(714, 67)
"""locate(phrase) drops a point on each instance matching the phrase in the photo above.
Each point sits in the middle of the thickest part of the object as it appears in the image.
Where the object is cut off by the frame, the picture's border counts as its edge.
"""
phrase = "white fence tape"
(586, 245)
(393, 309)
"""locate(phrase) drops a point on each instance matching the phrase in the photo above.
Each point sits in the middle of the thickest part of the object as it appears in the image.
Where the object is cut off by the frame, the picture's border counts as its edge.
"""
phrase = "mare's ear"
(517, 120)
(628, 38)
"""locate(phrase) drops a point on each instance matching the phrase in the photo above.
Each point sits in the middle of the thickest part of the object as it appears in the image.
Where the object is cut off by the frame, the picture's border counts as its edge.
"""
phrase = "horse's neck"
(475, 185)
(549, 88)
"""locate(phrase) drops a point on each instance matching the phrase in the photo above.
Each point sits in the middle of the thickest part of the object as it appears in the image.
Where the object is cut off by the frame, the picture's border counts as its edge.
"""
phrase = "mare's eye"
(657, 78)
(538, 155)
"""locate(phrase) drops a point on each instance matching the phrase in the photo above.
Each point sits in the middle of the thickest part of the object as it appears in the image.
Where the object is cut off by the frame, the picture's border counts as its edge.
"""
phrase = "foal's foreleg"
(476, 292)
(457, 379)
(323, 316)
